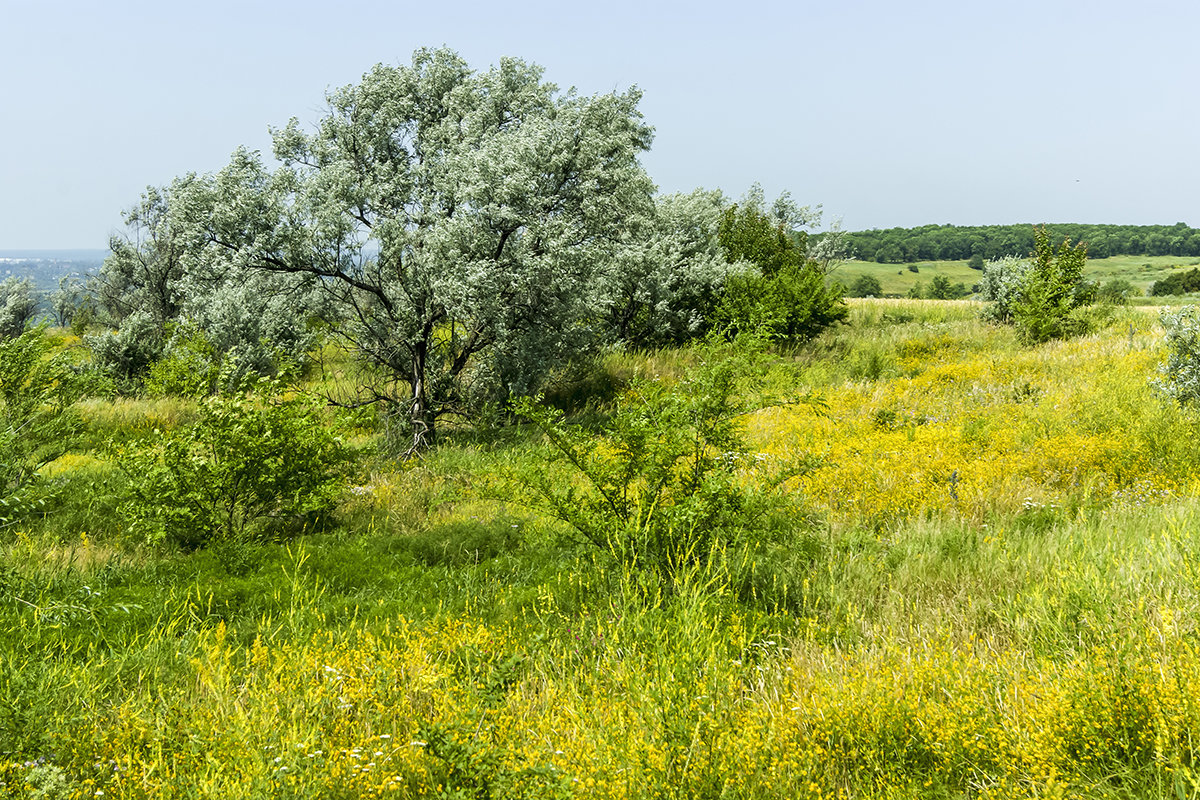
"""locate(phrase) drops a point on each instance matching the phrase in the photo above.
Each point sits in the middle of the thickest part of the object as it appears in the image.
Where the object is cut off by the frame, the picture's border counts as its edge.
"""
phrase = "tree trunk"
(421, 417)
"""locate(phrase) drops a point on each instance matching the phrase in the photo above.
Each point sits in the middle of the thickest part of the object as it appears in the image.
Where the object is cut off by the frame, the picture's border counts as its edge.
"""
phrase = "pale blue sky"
(887, 113)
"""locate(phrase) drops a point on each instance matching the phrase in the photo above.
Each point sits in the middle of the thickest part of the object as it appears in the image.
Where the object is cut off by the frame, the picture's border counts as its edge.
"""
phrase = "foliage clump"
(661, 488)
(705, 264)
(1053, 291)
(72, 303)
(37, 422)
(1179, 377)
(785, 296)
(1042, 295)
(1117, 292)
(1176, 283)
(865, 286)
(940, 288)
(189, 366)
(125, 354)
(18, 306)
(1001, 285)
(666, 291)
(251, 459)
(158, 281)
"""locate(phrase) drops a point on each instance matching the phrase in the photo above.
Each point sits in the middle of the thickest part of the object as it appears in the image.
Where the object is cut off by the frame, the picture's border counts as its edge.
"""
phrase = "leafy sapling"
(661, 489)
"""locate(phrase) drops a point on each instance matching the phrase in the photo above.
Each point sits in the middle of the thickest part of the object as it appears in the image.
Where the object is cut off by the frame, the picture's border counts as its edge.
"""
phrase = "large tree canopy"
(458, 218)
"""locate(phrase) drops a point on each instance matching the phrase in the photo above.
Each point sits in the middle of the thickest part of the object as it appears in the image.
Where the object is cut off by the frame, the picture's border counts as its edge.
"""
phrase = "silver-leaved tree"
(160, 286)
(457, 219)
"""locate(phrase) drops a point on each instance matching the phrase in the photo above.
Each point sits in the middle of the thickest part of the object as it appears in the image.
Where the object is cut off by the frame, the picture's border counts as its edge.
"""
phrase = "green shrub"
(127, 353)
(250, 461)
(661, 488)
(1176, 283)
(189, 366)
(791, 306)
(1117, 292)
(37, 422)
(941, 289)
(1001, 286)
(18, 306)
(1179, 378)
(866, 286)
(784, 296)
(1052, 291)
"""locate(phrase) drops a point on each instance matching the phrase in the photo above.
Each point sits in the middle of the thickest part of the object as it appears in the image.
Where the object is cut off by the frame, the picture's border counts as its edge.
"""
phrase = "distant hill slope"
(897, 280)
(952, 242)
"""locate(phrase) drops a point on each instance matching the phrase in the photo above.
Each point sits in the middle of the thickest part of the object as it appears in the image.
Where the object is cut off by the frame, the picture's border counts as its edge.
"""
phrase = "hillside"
(897, 280)
(978, 582)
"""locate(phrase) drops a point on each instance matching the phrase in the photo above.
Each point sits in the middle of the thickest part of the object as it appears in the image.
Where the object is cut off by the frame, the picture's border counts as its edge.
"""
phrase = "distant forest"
(952, 242)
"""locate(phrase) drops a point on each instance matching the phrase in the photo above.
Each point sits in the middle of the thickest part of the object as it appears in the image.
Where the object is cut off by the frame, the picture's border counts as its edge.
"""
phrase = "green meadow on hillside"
(980, 577)
(898, 279)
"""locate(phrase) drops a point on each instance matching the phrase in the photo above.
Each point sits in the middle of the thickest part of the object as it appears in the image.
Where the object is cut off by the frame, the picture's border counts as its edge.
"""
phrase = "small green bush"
(1045, 295)
(661, 488)
(1176, 283)
(127, 353)
(941, 289)
(189, 366)
(791, 306)
(250, 461)
(866, 286)
(37, 422)
(1001, 287)
(1117, 292)
(784, 295)
(1052, 292)
(1179, 377)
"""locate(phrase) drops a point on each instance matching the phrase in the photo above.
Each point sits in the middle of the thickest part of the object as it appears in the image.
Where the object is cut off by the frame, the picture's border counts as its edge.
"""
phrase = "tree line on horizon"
(991, 242)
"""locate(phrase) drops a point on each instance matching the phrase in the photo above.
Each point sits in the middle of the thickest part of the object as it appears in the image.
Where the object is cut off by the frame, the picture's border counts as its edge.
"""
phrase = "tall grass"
(998, 597)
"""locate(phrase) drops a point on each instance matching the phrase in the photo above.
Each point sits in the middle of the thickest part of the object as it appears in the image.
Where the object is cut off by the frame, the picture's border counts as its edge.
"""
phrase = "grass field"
(898, 279)
(988, 585)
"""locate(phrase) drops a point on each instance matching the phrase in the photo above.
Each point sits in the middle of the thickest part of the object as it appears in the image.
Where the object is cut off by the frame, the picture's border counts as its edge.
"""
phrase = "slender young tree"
(1052, 289)
(143, 272)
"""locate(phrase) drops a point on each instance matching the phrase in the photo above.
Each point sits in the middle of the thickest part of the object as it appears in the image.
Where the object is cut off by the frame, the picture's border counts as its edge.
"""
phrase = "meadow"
(899, 279)
(984, 583)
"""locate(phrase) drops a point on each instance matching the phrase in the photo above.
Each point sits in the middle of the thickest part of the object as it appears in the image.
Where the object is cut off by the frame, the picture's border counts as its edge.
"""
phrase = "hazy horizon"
(68, 253)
